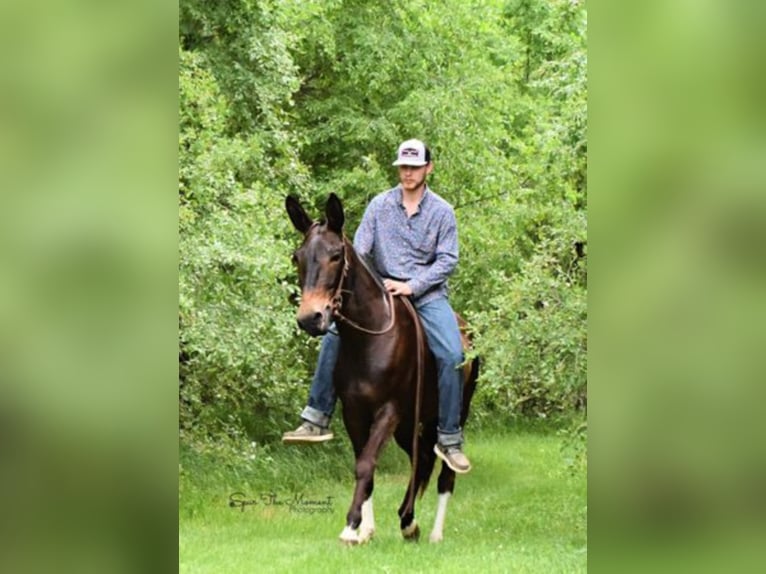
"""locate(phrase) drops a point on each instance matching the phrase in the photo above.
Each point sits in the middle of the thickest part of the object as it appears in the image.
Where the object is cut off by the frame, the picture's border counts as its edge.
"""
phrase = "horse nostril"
(313, 322)
(308, 322)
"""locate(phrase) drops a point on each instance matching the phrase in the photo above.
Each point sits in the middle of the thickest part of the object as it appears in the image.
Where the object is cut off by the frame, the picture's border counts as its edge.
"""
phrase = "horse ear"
(297, 214)
(334, 212)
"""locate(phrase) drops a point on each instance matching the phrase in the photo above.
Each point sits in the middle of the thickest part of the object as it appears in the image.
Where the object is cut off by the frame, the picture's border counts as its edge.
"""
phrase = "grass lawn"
(521, 509)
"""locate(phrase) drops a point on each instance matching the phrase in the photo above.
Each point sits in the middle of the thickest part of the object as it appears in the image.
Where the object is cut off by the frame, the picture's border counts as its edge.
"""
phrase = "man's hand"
(397, 287)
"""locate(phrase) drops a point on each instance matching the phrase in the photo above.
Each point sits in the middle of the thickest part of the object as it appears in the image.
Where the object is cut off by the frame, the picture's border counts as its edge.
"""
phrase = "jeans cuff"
(316, 417)
(450, 439)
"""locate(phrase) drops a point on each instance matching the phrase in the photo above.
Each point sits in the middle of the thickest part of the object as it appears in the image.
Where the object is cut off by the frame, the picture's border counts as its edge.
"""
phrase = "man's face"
(412, 178)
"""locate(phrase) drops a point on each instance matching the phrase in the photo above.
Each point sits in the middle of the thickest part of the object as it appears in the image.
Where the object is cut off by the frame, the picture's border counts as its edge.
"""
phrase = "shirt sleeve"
(445, 260)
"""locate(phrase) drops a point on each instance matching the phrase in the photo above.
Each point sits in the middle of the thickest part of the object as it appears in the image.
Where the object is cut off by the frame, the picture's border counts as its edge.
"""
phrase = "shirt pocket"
(426, 245)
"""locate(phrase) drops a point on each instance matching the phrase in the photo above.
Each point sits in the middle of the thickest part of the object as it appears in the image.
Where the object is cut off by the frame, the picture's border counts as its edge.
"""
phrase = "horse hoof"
(349, 537)
(412, 532)
(436, 537)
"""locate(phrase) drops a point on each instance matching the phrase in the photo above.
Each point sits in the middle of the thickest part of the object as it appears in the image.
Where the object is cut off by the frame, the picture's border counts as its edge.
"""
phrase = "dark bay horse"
(381, 358)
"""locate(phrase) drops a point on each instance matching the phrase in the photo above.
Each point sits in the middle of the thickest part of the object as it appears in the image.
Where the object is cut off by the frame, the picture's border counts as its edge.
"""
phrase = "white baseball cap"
(412, 152)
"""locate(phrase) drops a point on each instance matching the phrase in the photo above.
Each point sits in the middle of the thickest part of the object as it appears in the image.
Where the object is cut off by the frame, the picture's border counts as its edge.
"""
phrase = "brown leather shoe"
(307, 433)
(454, 457)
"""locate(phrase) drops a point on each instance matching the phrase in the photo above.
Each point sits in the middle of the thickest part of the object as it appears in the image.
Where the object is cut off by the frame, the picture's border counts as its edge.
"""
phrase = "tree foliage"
(309, 97)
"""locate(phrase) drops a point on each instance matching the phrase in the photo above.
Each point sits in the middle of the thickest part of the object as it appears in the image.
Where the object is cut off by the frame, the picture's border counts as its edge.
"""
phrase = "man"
(409, 235)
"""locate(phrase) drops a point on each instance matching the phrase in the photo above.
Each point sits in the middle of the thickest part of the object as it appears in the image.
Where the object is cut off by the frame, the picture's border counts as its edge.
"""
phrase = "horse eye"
(335, 257)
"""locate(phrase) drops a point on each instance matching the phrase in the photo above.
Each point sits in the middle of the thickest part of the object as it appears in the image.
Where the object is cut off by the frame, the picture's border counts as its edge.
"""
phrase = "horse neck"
(365, 300)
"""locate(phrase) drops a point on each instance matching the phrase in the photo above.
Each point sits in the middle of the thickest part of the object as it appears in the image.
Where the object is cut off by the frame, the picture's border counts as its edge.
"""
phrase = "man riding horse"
(408, 235)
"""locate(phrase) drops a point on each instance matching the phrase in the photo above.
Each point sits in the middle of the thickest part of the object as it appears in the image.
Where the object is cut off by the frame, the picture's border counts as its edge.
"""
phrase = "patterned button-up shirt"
(421, 250)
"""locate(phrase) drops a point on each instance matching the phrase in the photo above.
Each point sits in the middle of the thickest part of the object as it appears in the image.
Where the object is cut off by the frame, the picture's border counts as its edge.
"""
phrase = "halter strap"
(337, 301)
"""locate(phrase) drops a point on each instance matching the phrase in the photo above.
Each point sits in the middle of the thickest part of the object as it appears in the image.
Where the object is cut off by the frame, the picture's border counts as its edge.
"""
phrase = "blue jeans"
(443, 336)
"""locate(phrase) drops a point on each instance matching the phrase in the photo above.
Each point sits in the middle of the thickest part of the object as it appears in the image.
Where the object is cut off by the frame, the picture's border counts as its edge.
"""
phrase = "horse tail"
(469, 387)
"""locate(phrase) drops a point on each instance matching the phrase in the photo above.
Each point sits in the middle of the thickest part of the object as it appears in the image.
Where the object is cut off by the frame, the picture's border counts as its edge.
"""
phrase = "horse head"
(321, 262)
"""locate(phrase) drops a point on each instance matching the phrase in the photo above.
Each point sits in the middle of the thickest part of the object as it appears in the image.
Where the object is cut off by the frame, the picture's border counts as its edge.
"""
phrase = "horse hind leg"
(446, 486)
(446, 483)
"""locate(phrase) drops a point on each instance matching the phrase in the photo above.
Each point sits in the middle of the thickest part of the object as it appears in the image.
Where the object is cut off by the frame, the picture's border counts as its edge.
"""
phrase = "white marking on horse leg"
(437, 534)
(367, 527)
(349, 536)
(412, 530)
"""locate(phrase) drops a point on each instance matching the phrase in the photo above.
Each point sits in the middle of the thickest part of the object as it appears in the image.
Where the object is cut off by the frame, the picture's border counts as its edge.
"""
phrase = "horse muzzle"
(315, 322)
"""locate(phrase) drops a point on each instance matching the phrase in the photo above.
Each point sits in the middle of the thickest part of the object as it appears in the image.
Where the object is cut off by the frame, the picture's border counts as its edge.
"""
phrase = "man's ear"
(297, 214)
(334, 212)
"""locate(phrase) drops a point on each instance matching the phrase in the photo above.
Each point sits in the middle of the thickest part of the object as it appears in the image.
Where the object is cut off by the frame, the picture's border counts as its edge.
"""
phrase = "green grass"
(521, 509)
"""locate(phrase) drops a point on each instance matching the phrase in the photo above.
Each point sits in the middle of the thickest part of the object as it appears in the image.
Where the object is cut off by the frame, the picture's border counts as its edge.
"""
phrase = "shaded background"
(678, 270)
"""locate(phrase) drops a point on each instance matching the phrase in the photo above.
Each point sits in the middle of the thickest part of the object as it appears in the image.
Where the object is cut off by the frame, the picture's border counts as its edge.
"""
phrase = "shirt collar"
(399, 195)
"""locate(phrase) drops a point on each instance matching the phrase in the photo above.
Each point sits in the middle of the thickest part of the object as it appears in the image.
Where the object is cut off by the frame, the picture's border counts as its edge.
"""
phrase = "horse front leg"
(360, 520)
(425, 464)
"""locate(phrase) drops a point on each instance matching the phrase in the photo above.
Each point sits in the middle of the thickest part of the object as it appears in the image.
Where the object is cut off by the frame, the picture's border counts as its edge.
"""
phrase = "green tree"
(312, 97)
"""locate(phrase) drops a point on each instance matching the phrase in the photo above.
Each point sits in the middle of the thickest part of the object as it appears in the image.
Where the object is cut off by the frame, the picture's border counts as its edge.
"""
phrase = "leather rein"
(337, 301)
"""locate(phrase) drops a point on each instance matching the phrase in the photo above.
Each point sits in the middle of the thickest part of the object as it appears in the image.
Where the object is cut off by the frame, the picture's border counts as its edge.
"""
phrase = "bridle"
(337, 301)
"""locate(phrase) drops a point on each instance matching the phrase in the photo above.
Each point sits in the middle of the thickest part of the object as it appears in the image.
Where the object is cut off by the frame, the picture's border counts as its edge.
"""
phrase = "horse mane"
(371, 270)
